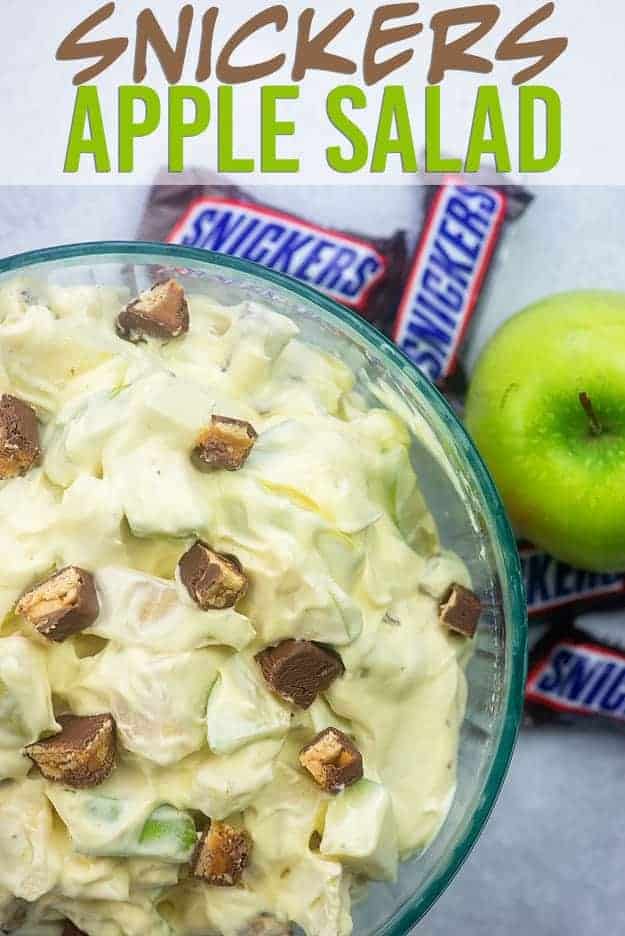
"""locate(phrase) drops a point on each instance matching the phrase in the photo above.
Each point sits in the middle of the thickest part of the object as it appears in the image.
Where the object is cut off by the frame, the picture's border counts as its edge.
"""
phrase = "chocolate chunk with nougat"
(82, 755)
(332, 760)
(214, 580)
(222, 854)
(460, 610)
(159, 312)
(62, 605)
(298, 670)
(225, 443)
(19, 437)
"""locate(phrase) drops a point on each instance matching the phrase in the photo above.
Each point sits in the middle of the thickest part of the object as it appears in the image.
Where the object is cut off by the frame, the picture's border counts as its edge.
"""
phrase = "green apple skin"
(563, 486)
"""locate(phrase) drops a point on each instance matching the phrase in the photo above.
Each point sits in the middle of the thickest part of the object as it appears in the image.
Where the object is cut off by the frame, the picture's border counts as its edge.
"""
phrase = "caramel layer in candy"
(63, 605)
(160, 312)
(222, 854)
(298, 670)
(19, 437)
(82, 755)
(214, 580)
(332, 760)
(460, 611)
(225, 443)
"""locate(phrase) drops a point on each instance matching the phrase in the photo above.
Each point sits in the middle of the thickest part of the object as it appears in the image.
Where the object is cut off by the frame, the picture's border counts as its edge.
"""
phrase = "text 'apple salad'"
(231, 656)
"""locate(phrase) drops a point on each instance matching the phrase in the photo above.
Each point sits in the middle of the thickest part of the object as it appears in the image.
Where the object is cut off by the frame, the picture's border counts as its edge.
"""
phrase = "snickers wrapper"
(463, 228)
(426, 304)
(577, 672)
(365, 273)
(556, 590)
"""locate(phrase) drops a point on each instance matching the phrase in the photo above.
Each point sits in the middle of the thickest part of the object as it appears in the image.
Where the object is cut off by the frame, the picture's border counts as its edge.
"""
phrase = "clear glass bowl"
(459, 491)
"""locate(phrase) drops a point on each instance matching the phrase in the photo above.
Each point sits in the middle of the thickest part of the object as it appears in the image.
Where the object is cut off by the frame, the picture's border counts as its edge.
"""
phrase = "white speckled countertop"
(550, 860)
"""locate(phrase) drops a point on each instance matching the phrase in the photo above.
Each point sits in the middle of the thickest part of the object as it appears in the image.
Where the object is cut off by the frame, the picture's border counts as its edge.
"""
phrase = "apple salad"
(232, 649)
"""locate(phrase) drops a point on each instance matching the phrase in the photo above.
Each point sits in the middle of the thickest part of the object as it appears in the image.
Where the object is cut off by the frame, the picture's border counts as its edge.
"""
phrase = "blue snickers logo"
(444, 284)
(344, 267)
(580, 678)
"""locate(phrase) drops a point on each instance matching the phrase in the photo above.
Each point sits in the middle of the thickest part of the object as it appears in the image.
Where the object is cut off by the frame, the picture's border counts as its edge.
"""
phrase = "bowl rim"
(416, 906)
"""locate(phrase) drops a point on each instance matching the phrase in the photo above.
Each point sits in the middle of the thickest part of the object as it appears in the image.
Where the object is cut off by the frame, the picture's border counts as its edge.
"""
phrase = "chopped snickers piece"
(19, 437)
(222, 854)
(225, 443)
(82, 755)
(62, 605)
(214, 580)
(298, 670)
(460, 610)
(332, 760)
(70, 930)
(160, 312)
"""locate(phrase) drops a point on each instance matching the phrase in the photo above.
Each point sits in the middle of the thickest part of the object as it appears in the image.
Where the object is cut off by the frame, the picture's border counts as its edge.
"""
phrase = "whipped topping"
(327, 519)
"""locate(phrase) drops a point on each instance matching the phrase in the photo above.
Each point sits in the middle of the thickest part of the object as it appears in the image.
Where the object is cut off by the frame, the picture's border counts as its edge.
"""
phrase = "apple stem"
(595, 426)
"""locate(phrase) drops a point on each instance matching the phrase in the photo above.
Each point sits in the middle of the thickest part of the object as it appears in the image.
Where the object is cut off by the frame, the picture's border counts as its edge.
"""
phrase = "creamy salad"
(231, 651)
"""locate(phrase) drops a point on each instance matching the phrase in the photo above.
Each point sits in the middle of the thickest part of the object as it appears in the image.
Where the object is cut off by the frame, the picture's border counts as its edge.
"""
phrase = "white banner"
(38, 96)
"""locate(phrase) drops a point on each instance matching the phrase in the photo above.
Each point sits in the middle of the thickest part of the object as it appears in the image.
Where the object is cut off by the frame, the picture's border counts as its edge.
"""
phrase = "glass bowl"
(458, 489)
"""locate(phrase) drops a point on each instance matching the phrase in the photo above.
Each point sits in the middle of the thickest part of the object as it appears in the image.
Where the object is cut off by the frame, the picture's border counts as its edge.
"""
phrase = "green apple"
(546, 408)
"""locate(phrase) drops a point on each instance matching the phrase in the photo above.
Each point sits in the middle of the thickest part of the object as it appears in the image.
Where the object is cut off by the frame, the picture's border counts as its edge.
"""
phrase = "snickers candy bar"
(198, 210)
(82, 755)
(19, 437)
(555, 587)
(159, 312)
(62, 605)
(222, 854)
(298, 670)
(225, 443)
(332, 760)
(463, 227)
(213, 580)
(577, 671)
(460, 611)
